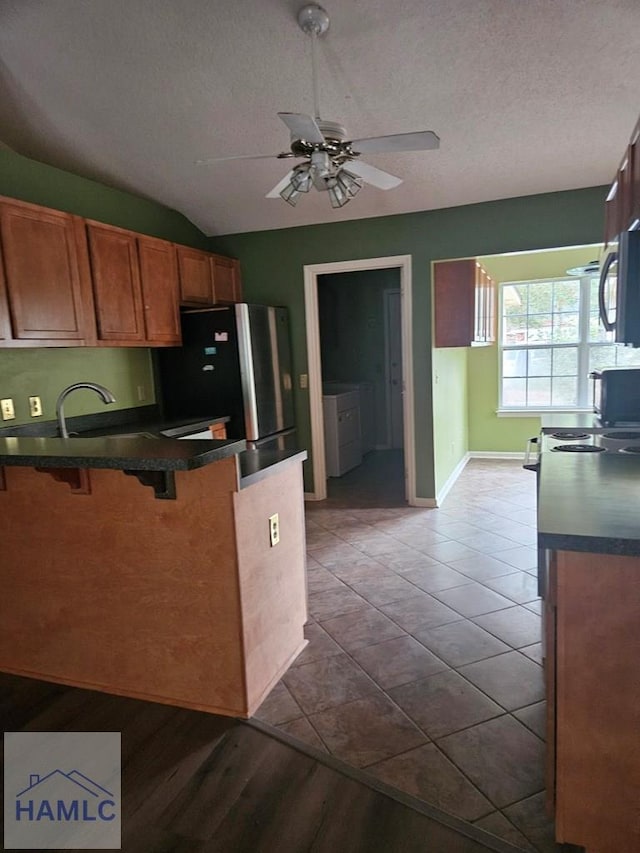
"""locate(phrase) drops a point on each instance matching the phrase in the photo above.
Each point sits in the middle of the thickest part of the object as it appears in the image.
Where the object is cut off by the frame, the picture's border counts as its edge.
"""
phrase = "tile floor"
(424, 662)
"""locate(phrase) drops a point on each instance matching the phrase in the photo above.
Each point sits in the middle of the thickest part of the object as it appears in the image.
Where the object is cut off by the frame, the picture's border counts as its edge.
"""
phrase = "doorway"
(388, 352)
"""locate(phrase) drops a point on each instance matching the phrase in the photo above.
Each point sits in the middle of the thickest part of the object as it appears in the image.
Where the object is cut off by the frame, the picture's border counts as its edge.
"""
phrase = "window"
(550, 339)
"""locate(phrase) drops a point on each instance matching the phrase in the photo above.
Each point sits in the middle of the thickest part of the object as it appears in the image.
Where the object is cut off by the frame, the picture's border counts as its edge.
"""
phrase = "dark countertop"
(589, 502)
(255, 465)
(575, 420)
(114, 422)
(130, 453)
(135, 440)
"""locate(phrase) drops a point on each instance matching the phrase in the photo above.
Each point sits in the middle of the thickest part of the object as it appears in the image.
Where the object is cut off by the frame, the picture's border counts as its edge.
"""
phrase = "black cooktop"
(578, 448)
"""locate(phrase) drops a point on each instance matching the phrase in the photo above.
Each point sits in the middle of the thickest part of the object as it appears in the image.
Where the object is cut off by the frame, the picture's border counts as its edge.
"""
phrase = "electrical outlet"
(304, 380)
(35, 407)
(6, 407)
(274, 529)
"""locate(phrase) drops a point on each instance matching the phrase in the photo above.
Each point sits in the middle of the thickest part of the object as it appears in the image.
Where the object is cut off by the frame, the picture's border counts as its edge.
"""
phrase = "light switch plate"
(6, 407)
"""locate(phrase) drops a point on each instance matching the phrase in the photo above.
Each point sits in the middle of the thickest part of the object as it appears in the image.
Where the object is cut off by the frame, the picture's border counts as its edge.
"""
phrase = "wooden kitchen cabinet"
(116, 284)
(5, 322)
(135, 285)
(226, 279)
(196, 276)
(69, 281)
(44, 294)
(160, 290)
(593, 648)
(464, 304)
(218, 431)
(622, 205)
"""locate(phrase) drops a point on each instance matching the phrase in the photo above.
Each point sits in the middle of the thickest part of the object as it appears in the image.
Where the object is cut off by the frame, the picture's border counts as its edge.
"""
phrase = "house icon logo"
(61, 796)
(62, 791)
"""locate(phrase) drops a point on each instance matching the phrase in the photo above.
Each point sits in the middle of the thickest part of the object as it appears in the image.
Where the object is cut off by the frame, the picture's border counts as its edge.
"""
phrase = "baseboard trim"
(495, 454)
(427, 503)
(444, 491)
(311, 496)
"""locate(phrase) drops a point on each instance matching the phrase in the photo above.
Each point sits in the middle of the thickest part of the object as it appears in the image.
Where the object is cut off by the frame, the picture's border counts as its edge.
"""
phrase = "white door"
(393, 338)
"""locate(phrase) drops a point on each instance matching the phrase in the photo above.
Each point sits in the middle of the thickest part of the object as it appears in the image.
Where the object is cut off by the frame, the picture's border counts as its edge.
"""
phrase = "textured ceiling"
(528, 96)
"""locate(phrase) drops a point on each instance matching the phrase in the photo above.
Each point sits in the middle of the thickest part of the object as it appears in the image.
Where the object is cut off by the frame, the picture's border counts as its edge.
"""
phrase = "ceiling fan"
(330, 159)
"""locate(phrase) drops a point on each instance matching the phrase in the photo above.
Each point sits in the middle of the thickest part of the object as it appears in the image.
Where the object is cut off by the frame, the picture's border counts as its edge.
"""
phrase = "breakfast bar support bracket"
(77, 478)
(163, 483)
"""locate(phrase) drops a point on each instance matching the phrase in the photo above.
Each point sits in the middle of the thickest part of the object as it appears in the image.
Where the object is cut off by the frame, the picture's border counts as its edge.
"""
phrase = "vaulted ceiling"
(528, 96)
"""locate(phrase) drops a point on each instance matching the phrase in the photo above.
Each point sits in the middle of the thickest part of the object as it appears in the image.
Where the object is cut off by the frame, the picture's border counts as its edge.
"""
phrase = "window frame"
(583, 345)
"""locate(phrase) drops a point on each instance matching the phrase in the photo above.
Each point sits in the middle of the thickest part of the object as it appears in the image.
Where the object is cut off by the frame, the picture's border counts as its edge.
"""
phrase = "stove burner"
(569, 435)
(632, 449)
(622, 436)
(578, 448)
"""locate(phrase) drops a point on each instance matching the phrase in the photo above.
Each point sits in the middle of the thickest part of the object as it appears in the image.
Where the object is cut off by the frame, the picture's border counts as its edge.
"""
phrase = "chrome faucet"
(107, 397)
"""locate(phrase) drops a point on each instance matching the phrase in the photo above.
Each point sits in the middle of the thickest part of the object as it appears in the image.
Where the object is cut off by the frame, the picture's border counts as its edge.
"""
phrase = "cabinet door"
(116, 284)
(42, 279)
(612, 214)
(454, 284)
(160, 290)
(226, 279)
(196, 283)
(5, 322)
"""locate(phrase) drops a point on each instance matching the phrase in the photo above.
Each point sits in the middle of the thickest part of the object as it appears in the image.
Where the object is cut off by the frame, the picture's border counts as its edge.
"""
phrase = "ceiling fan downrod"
(313, 20)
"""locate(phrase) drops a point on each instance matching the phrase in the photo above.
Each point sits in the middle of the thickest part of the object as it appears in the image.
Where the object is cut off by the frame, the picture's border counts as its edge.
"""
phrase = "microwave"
(616, 395)
(619, 289)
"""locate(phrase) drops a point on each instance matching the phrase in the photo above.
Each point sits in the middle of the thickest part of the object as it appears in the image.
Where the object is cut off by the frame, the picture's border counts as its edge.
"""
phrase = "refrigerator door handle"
(247, 376)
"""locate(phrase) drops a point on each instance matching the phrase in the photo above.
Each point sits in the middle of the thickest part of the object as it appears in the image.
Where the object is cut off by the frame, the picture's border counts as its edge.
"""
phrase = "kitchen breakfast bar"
(144, 567)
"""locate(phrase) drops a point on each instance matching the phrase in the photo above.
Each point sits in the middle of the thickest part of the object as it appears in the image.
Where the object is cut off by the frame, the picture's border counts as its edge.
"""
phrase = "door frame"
(387, 367)
(314, 365)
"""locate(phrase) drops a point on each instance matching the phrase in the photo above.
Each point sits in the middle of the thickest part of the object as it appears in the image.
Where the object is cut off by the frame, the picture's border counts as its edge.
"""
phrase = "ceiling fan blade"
(425, 140)
(373, 176)
(275, 192)
(302, 127)
(212, 160)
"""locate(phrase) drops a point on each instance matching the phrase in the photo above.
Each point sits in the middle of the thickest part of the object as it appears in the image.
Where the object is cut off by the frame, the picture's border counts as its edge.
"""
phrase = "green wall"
(352, 332)
(272, 271)
(487, 431)
(450, 411)
(36, 182)
(44, 372)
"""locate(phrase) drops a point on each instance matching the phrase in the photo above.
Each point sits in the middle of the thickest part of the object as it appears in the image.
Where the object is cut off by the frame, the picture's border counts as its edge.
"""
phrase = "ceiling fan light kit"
(324, 145)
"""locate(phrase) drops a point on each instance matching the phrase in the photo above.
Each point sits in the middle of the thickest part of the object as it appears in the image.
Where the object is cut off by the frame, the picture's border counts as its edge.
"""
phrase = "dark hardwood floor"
(197, 782)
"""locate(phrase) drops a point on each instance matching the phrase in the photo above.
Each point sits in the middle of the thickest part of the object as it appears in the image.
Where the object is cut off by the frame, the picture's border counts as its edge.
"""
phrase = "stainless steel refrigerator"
(235, 360)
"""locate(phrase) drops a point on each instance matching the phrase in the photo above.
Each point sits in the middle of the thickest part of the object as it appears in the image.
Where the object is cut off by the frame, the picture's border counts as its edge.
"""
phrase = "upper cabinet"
(160, 290)
(116, 284)
(5, 321)
(68, 281)
(464, 304)
(226, 279)
(135, 287)
(45, 296)
(622, 205)
(206, 279)
(196, 278)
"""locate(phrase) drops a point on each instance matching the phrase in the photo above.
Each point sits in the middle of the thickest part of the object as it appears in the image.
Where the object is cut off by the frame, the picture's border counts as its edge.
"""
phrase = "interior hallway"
(424, 660)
